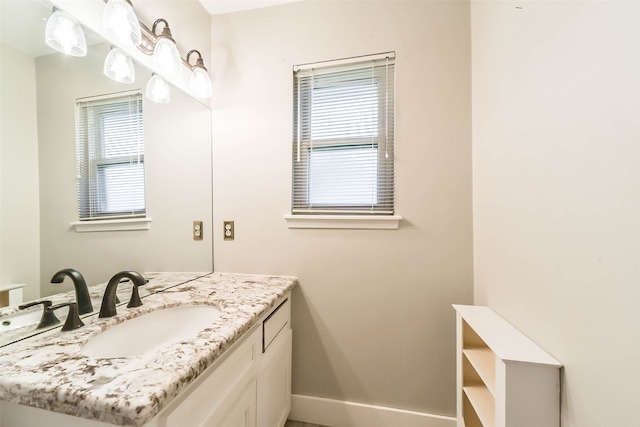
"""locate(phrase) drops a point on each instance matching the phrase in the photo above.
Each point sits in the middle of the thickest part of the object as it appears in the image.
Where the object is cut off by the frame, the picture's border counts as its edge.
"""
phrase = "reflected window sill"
(354, 222)
(128, 224)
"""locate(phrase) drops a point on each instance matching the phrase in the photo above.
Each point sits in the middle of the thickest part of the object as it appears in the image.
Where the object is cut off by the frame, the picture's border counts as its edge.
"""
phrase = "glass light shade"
(200, 83)
(121, 24)
(158, 90)
(166, 57)
(119, 67)
(64, 34)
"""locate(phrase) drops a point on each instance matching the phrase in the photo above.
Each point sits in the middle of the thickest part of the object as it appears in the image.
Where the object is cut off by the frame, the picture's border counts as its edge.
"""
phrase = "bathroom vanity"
(235, 372)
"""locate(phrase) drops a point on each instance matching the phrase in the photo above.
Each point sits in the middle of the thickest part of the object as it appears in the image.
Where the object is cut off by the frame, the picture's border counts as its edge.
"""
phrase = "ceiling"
(216, 7)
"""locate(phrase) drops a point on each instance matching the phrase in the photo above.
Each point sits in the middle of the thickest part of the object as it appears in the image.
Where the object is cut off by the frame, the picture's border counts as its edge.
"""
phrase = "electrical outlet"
(228, 230)
(197, 230)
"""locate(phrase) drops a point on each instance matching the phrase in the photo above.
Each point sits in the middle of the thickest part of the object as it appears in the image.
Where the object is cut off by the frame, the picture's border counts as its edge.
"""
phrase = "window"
(343, 137)
(110, 157)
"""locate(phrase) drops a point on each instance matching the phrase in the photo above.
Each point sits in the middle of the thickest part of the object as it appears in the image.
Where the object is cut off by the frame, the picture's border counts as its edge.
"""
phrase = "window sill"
(128, 224)
(354, 222)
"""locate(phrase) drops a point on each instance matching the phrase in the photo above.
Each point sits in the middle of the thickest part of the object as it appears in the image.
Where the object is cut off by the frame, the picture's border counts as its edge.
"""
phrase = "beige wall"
(372, 318)
(556, 174)
(19, 214)
(177, 178)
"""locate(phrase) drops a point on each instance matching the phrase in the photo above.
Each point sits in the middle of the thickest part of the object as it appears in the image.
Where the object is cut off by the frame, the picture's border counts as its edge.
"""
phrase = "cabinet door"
(219, 387)
(242, 413)
(274, 383)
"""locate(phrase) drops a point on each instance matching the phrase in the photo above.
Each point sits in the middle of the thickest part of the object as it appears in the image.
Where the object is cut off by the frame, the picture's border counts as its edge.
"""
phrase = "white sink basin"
(151, 330)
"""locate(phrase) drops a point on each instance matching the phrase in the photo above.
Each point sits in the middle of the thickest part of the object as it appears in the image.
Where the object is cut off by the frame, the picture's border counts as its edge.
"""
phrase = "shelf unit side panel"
(459, 372)
(532, 395)
(501, 391)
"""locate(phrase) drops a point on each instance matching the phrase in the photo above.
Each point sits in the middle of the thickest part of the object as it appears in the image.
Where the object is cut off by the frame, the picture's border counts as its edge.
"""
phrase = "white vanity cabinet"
(220, 393)
(248, 386)
(503, 378)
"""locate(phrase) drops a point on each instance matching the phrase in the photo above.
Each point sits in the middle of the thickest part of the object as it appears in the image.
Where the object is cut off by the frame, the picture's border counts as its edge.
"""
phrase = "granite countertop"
(157, 281)
(49, 372)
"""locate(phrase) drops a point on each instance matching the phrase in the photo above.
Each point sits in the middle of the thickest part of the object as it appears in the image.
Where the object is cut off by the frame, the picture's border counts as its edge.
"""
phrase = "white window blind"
(343, 137)
(110, 157)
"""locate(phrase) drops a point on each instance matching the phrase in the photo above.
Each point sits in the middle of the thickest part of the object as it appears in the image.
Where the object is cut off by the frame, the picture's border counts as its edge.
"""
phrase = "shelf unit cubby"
(495, 360)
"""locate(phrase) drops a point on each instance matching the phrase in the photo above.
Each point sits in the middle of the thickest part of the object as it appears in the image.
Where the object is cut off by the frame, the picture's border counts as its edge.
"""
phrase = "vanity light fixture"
(199, 82)
(64, 34)
(118, 66)
(165, 52)
(158, 90)
(121, 23)
(123, 27)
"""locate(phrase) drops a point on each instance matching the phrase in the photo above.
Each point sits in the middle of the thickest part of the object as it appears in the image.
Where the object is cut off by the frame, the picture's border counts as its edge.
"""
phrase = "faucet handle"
(135, 300)
(48, 317)
(73, 318)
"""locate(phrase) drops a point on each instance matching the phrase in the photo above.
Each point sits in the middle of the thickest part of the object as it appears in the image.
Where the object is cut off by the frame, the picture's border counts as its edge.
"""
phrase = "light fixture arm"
(199, 61)
(166, 31)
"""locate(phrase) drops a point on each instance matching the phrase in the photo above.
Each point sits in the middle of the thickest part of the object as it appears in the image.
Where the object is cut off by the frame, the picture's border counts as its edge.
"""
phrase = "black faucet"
(48, 318)
(108, 308)
(82, 293)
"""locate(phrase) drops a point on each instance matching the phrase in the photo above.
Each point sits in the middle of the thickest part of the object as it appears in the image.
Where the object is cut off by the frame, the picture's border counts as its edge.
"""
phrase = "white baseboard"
(337, 413)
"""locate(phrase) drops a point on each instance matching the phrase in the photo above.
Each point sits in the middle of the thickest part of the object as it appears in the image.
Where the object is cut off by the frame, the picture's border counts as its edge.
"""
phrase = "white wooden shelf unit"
(503, 378)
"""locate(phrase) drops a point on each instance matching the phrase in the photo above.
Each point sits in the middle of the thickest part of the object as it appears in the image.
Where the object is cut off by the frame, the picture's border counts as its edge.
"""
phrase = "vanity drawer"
(276, 322)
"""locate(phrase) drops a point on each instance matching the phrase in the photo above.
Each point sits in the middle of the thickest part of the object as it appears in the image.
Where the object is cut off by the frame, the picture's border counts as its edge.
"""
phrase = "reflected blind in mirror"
(110, 156)
(343, 136)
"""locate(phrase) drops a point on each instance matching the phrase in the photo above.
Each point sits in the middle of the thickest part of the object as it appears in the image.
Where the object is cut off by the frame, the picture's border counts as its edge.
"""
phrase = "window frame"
(92, 161)
(304, 143)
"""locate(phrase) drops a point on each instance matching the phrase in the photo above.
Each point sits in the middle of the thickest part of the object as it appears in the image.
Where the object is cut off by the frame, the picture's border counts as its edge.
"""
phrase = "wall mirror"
(38, 177)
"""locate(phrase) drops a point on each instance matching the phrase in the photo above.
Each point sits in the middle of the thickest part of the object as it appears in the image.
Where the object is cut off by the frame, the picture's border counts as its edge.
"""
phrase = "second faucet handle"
(135, 300)
(73, 318)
